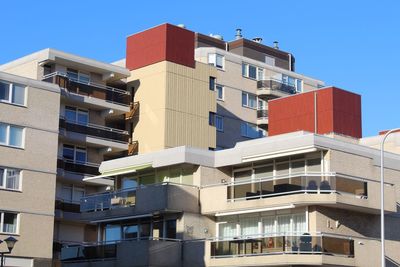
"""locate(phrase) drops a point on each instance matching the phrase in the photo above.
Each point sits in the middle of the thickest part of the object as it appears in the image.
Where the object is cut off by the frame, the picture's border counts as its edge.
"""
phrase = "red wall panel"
(338, 111)
(164, 42)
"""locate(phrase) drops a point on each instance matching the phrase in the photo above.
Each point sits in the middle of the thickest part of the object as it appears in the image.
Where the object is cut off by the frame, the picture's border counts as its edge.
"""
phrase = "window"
(249, 100)
(76, 115)
(220, 92)
(130, 231)
(171, 229)
(250, 130)
(11, 135)
(212, 83)
(78, 76)
(76, 154)
(297, 84)
(12, 93)
(217, 121)
(72, 193)
(9, 178)
(253, 72)
(270, 60)
(8, 222)
(216, 60)
(273, 225)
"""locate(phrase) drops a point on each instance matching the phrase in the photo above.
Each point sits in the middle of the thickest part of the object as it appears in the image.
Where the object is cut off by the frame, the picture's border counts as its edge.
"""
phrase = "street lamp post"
(383, 260)
(10, 242)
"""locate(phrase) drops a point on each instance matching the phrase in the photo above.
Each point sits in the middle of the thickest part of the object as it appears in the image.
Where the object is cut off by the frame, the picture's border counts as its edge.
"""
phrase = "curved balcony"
(271, 88)
(294, 190)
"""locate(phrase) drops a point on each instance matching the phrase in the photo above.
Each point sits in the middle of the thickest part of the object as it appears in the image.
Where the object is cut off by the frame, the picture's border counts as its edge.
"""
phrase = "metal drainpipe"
(290, 62)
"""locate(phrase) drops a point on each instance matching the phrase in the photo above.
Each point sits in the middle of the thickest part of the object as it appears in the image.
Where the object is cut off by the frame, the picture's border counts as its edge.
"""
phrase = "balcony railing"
(100, 91)
(262, 113)
(276, 85)
(312, 183)
(78, 167)
(99, 131)
(89, 252)
(109, 200)
(67, 205)
(288, 244)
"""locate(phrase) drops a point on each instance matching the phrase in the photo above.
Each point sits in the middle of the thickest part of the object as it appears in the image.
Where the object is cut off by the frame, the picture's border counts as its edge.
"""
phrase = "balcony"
(296, 190)
(135, 253)
(271, 88)
(262, 117)
(97, 131)
(78, 167)
(278, 250)
(94, 90)
(143, 199)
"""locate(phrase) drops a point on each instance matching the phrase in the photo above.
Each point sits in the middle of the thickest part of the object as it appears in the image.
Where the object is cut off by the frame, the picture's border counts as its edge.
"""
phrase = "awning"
(119, 171)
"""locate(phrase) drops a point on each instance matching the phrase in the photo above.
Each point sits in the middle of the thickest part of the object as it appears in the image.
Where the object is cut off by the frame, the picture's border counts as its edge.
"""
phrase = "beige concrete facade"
(33, 200)
(175, 102)
(230, 77)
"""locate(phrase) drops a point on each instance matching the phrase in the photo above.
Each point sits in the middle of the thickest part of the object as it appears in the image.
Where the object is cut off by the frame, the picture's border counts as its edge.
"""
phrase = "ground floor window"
(8, 222)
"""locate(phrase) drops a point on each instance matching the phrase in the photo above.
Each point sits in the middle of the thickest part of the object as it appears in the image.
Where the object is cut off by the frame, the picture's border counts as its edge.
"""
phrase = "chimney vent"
(238, 34)
(276, 45)
(257, 40)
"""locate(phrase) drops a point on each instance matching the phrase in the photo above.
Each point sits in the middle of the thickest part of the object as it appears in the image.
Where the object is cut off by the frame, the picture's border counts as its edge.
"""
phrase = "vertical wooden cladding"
(162, 43)
(338, 111)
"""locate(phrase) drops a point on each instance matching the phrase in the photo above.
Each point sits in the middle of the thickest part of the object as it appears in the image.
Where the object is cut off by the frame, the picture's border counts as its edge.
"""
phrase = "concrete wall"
(37, 161)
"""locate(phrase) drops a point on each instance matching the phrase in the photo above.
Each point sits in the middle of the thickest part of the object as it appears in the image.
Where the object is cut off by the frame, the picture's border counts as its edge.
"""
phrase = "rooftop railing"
(276, 85)
(284, 244)
(312, 183)
(99, 131)
(88, 88)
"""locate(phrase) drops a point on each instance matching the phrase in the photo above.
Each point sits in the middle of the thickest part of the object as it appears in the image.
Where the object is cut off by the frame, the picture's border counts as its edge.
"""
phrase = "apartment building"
(93, 116)
(28, 166)
(292, 199)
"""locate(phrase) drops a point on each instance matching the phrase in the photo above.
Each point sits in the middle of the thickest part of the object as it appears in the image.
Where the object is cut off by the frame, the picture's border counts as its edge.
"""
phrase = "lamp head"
(10, 241)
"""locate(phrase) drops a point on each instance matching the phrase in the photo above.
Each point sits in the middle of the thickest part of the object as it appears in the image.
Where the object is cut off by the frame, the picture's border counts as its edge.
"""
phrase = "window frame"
(213, 61)
(11, 93)
(221, 118)
(247, 100)
(3, 185)
(2, 212)
(8, 130)
(75, 149)
(246, 71)
(222, 92)
(77, 111)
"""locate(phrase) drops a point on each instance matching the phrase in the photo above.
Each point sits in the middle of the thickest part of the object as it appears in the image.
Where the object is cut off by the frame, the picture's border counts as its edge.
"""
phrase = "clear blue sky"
(354, 45)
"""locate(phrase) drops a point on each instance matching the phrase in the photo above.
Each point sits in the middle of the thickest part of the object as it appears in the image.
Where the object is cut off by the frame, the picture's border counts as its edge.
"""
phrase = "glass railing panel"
(356, 187)
(299, 244)
(107, 201)
(267, 188)
(74, 253)
(272, 244)
(338, 246)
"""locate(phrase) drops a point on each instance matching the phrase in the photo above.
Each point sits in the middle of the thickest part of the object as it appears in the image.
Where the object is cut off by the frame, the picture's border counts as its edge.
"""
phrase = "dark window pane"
(171, 229)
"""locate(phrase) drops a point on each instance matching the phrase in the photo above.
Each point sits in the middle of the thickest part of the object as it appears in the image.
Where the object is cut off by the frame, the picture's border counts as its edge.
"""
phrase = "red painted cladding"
(338, 111)
(164, 42)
